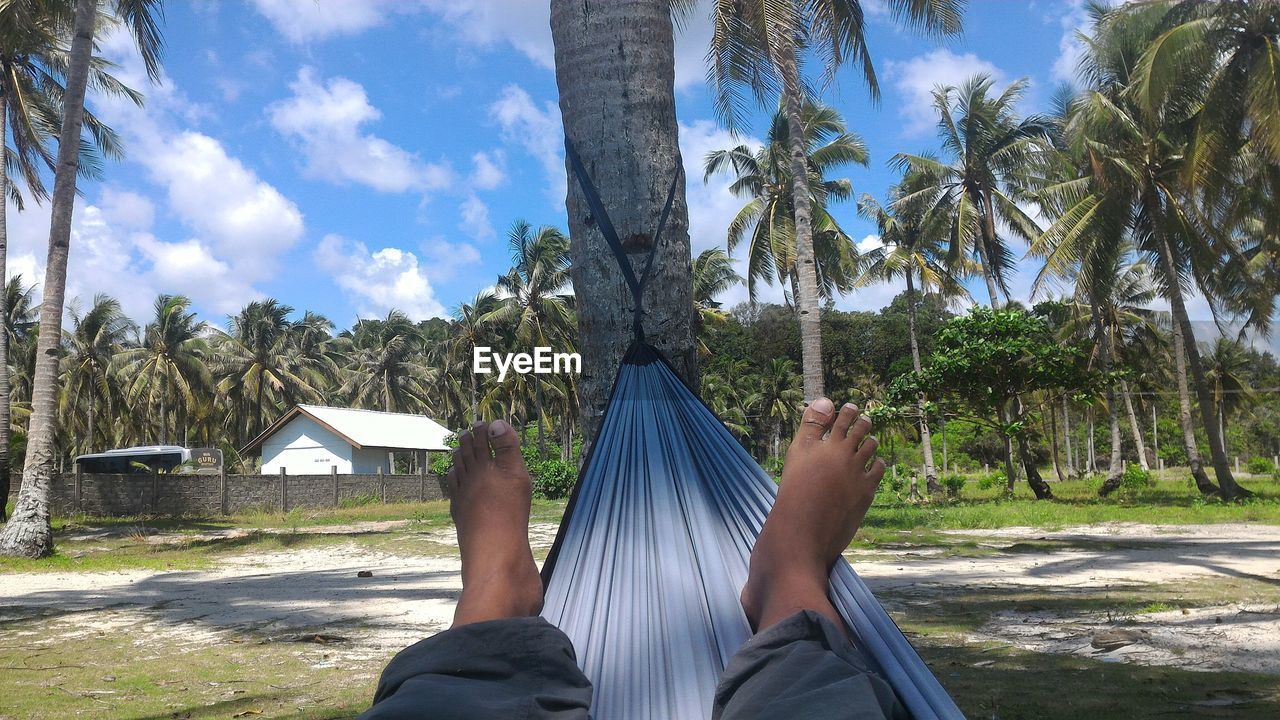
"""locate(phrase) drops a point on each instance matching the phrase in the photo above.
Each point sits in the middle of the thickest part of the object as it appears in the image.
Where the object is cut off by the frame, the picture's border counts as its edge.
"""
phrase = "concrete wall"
(204, 495)
(369, 460)
(304, 446)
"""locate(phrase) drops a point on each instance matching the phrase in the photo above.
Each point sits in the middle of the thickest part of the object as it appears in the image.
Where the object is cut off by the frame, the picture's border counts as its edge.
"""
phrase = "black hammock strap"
(610, 233)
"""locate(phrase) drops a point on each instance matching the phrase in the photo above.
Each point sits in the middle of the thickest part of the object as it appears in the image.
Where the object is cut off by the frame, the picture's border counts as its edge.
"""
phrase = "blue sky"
(351, 157)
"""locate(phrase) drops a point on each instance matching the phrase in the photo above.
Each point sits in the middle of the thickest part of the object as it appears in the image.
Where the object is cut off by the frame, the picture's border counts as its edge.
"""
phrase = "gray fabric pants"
(803, 668)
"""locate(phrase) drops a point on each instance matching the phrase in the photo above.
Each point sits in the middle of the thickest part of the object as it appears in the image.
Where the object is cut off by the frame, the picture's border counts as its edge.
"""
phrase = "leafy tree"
(385, 368)
(94, 347)
(986, 358)
(170, 368)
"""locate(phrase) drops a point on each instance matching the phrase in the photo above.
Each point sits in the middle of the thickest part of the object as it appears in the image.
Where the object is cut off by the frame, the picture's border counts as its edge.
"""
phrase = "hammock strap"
(610, 233)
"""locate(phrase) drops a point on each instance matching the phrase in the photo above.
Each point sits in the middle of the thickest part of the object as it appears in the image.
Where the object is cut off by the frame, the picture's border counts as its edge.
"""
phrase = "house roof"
(366, 428)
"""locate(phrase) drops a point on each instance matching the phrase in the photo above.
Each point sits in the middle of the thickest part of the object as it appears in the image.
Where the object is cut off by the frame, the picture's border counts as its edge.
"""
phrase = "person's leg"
(801, 663)
(499, 660)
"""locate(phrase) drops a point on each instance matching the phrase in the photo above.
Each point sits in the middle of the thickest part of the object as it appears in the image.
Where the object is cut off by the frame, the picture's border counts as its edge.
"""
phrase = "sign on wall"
(207, 461)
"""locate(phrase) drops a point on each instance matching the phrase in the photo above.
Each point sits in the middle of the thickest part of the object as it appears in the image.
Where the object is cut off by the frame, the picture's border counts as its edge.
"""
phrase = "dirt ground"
(1214, 595)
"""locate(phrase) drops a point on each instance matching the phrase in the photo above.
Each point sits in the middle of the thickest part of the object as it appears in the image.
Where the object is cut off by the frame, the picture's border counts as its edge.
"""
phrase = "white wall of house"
(304, 447)
(368, 460)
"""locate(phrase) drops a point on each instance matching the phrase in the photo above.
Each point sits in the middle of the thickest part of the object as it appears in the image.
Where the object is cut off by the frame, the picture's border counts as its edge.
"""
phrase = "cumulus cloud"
(475, 219)
(916, 78)
(304, 20)
(445, 259)
(488, 170)
(325, 118)
(537, 130)
(379, 281)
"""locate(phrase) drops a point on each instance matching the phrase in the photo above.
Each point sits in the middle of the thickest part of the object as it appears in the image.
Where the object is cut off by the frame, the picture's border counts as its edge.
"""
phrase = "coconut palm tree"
(170, 368)
(913, 249)
(615, 66)
(755, 46)
(1228, 366)
(1133, 186)
(386, 368)
(257, 363)
(763, 177)
(18, 317)
(532, 303)
(713, 274)
(470, 331)
(29, 533)
(780, 396)
(90, 382)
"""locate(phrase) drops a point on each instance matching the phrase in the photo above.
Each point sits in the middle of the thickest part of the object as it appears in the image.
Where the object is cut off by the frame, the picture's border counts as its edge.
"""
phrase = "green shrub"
(773, 466)
(1259, 466)
(553, 479)
(1135, 478)
(897, 481)
(993, 480)
(1275, 475)
(954, 483)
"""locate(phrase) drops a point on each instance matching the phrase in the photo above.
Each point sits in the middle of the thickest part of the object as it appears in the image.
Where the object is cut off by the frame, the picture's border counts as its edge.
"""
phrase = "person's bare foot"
(489, 500)
(829, 479)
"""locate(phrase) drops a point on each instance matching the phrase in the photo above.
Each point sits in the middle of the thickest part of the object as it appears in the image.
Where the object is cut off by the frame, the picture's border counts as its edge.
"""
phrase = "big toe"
(817, 419)
(506, 446)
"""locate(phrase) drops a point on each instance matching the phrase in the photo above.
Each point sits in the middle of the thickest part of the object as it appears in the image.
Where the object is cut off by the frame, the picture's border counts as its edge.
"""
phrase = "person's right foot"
(829, 479)
(489, 499)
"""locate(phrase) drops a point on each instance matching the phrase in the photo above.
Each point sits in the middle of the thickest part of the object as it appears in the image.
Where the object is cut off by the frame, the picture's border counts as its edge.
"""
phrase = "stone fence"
(124, 495)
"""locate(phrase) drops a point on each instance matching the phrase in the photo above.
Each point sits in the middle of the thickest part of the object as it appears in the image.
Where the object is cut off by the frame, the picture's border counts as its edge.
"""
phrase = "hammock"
(646, 569)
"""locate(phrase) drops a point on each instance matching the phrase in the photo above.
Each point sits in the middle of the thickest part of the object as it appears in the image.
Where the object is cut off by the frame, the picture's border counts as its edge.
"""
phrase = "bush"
(1259, 466)
(897, 481)
(1275, 475)
(953, 483)
(773, 466)
(553, 479)
(1135, 478)
(993, 480)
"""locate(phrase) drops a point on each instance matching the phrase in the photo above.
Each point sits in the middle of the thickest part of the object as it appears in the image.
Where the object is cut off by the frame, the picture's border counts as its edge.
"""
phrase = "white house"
(312, 440)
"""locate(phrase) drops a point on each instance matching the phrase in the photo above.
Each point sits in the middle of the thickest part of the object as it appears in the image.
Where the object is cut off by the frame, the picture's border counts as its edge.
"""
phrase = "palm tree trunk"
(475, 404)
(1066, 437)
(1203, 483)
(5, 412)
(1112, 483)
(806, 266)
(615, 67)
(537, 399)
(28, 532)
(926, 442)
(1053, 443)
(1185, 337)
(92, 412)
(1133, 426)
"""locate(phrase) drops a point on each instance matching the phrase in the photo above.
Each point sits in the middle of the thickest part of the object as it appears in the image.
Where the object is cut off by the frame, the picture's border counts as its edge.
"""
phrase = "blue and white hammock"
(645, 573)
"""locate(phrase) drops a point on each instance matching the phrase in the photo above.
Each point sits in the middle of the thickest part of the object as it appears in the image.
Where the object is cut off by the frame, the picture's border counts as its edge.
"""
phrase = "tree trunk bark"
(1134, 428)
(1203, 483)
(92, 411)
(1054, 445)
(1112, 483)
(615, 69)
(1066, 437)
(926, 441)
(5, 412)
(28, 532)
(537, 398)
(1037, 484)
(806, 265)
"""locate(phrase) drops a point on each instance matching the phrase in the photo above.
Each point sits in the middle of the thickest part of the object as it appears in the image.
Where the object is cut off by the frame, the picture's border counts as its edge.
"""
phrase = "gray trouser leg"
(803, 668)
(521, 668)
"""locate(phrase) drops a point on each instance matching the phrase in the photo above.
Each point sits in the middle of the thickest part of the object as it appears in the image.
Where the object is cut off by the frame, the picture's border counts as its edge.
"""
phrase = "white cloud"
(325, 118)
(127, 209)
(303, 20)
(523, 24)
(475, 218)
(488, 169)
(537, 130)
(916, 78)
(445, 259)
(712, 206)
(379, 281)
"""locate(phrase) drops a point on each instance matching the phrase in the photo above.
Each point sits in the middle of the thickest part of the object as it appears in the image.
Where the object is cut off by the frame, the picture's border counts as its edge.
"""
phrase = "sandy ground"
(303, 593)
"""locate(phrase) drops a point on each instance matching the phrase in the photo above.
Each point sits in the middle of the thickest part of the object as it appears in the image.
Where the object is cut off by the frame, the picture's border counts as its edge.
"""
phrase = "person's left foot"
(490, 495)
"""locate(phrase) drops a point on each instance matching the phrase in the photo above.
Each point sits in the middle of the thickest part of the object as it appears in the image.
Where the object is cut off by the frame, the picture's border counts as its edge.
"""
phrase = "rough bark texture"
(5, 417)
(1203, 483)
(806, 264)
(1134, 428)
(28, 532)
(615, 69)
(1112, 483)
(926, 441)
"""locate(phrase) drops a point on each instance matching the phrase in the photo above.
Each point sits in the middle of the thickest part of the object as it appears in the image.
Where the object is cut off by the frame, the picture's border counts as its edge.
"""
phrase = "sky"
(350, 157)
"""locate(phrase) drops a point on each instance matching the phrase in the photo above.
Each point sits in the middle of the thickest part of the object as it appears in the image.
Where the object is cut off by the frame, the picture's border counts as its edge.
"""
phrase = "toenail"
(498, 427)
(823, 406)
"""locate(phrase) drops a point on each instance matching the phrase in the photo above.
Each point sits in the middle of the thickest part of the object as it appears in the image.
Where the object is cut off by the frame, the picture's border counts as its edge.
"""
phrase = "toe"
(876, 473)
(461, 454)
(506, 445)
(848, 415)
(861, 428)
(866, 451)
(817, 419)
(479, 446)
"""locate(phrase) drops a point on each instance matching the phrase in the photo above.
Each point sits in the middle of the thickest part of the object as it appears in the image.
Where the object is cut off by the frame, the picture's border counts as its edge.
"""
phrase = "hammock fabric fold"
(645, 573)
